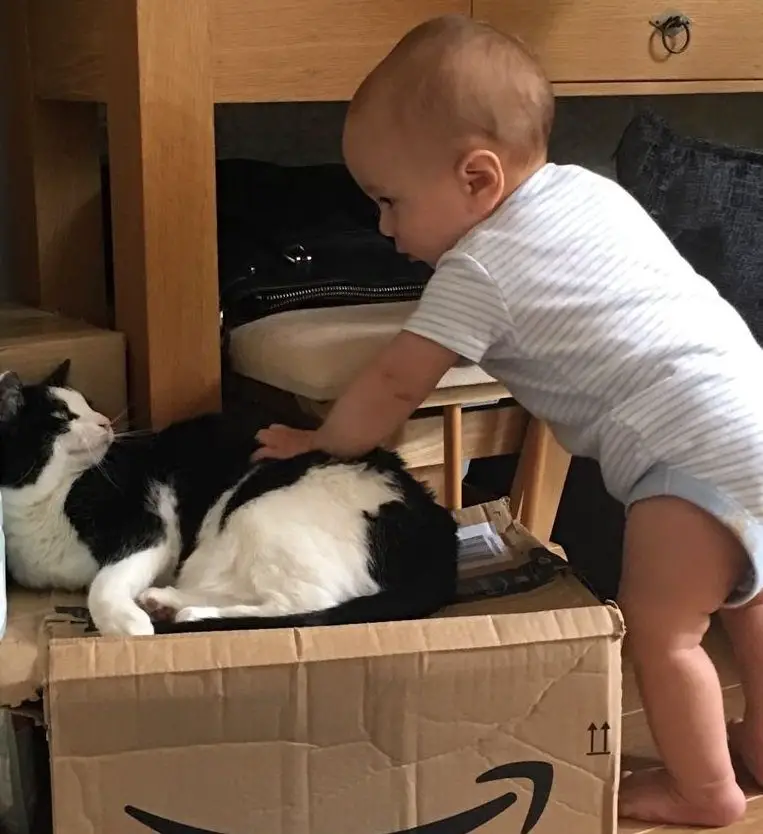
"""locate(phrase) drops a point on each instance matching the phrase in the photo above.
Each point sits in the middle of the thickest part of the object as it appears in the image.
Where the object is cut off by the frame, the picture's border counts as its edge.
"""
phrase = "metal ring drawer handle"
(675, 31)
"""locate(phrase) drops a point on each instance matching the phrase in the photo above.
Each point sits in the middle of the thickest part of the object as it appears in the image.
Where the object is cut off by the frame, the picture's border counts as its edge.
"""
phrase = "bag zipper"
(279, 299)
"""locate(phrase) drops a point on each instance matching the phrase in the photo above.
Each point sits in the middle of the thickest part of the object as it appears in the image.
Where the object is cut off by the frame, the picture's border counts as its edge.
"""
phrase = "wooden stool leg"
(452, 456)
(539, 481)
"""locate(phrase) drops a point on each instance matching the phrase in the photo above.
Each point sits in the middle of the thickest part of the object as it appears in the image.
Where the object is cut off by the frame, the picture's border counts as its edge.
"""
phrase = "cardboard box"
(501, 715)
(34, 342)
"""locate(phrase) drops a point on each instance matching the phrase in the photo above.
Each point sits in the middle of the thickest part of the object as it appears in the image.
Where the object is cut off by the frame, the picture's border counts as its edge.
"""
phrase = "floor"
(638, 749)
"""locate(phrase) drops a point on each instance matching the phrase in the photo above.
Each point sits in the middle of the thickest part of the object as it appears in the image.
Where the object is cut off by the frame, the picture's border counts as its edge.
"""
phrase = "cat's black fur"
(413, 541)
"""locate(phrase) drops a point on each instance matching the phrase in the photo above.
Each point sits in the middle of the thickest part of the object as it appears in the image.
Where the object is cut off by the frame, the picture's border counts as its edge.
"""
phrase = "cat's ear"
(11, 396)
(59, 378)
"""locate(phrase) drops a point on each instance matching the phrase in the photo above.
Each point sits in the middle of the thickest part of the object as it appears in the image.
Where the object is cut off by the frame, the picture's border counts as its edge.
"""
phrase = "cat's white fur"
(42, 547)
(294, 550)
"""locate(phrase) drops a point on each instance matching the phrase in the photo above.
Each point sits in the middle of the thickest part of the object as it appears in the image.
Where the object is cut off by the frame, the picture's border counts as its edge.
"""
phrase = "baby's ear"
(11, 396)
(59, 378)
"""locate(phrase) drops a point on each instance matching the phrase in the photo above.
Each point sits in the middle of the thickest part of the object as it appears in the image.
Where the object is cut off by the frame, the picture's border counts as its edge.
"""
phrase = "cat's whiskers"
(123, 435)
(99, 465)
(118, 418)
(102, 469)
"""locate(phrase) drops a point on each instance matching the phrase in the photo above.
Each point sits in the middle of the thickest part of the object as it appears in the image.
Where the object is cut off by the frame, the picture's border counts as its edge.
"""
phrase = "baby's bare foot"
(747, 745)
(651, 796)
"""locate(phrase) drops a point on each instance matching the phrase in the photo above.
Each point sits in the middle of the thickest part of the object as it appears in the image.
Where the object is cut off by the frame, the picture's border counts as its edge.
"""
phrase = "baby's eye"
(386, 201)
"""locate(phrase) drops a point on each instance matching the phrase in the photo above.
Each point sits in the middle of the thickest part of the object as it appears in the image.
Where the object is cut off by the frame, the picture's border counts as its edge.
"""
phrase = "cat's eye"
(63, 414)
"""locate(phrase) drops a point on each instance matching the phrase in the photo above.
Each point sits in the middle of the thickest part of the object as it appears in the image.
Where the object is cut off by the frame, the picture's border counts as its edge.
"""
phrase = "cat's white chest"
(42, 548)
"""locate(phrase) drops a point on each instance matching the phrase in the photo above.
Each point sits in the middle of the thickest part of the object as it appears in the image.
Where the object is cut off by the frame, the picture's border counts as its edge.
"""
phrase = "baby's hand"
(281, 442)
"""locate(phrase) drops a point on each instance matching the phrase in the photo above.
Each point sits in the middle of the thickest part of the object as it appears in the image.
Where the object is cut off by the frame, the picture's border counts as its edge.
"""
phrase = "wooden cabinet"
(605, 41)
(292, 50)
(160, 66)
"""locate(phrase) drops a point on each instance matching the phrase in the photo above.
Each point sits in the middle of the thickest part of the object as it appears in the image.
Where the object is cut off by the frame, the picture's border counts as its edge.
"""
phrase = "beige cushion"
(315, 353)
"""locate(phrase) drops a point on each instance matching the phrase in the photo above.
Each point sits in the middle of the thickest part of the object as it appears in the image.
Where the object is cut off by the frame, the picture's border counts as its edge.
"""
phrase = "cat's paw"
(160, 603)
(126, 623)
(193, 613)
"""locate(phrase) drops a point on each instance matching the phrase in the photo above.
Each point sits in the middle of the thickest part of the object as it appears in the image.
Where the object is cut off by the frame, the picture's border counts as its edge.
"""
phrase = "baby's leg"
(113, 592)
(745, 629)
(680, 565)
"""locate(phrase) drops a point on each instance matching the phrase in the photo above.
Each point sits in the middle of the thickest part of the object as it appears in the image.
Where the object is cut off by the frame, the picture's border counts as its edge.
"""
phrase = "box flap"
(498, 513)
(22, 649)
(80, 659)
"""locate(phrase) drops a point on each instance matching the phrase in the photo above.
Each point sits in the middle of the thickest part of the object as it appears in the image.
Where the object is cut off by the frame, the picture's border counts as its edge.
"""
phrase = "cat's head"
(48, 432)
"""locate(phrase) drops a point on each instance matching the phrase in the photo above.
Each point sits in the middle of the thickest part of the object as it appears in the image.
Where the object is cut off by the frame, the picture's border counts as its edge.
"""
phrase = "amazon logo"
(539, 774)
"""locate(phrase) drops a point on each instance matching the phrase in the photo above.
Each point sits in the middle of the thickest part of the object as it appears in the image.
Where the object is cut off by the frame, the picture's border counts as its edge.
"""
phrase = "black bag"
(295, 238)
(292, 238)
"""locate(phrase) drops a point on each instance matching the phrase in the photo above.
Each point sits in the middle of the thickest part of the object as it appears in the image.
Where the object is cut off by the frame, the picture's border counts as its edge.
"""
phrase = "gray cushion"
(708, 198)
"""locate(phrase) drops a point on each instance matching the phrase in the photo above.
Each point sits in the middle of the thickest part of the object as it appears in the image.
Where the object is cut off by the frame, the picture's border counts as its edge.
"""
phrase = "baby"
(559, 285)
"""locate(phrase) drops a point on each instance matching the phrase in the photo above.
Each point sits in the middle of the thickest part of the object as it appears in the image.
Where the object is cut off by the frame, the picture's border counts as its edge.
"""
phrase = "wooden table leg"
(539, 480)
(452, 456)
(162, 165)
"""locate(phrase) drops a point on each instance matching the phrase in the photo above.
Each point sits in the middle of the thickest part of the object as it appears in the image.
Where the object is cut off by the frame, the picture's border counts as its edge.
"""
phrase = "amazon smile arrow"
(540, 774)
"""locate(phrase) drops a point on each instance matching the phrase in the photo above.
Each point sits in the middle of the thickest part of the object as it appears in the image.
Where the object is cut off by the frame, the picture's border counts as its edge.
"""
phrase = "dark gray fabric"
(708, 198)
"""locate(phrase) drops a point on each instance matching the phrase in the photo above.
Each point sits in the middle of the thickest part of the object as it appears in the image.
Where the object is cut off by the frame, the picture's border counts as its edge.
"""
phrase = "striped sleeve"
(462, 308)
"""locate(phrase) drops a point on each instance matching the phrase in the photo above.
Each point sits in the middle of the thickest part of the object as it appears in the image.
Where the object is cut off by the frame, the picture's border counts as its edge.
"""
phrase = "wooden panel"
(68, 275)
(466, 395)
(657, 88)
(56, 227)
(308, 50)
(16, 91)
(67, 39)
(495, 431)
(539, 480)
(434, 478)
(161, 144)
(610, 40)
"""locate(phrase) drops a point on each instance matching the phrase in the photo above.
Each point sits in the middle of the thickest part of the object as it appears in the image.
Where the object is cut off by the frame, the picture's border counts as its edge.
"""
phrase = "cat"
(178, 530)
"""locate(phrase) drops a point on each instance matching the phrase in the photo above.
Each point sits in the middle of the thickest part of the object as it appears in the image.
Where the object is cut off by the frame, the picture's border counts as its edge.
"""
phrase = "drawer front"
(298, 50)
(582, 41)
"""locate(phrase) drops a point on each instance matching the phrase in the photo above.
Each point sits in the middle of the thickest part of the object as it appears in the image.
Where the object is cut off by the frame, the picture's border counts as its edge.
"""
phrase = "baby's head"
(444, 128)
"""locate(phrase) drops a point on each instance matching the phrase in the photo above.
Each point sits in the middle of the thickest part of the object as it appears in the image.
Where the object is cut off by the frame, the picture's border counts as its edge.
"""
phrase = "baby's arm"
(462, 312)
(384, 395)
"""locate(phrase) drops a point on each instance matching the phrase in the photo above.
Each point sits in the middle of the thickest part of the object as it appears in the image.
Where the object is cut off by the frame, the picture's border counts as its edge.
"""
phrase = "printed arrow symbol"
(592, 728)
(605, 728)
(541, 774)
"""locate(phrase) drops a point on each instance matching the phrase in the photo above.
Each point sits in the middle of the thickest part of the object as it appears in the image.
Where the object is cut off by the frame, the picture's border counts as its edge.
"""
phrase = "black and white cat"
(178, 530)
